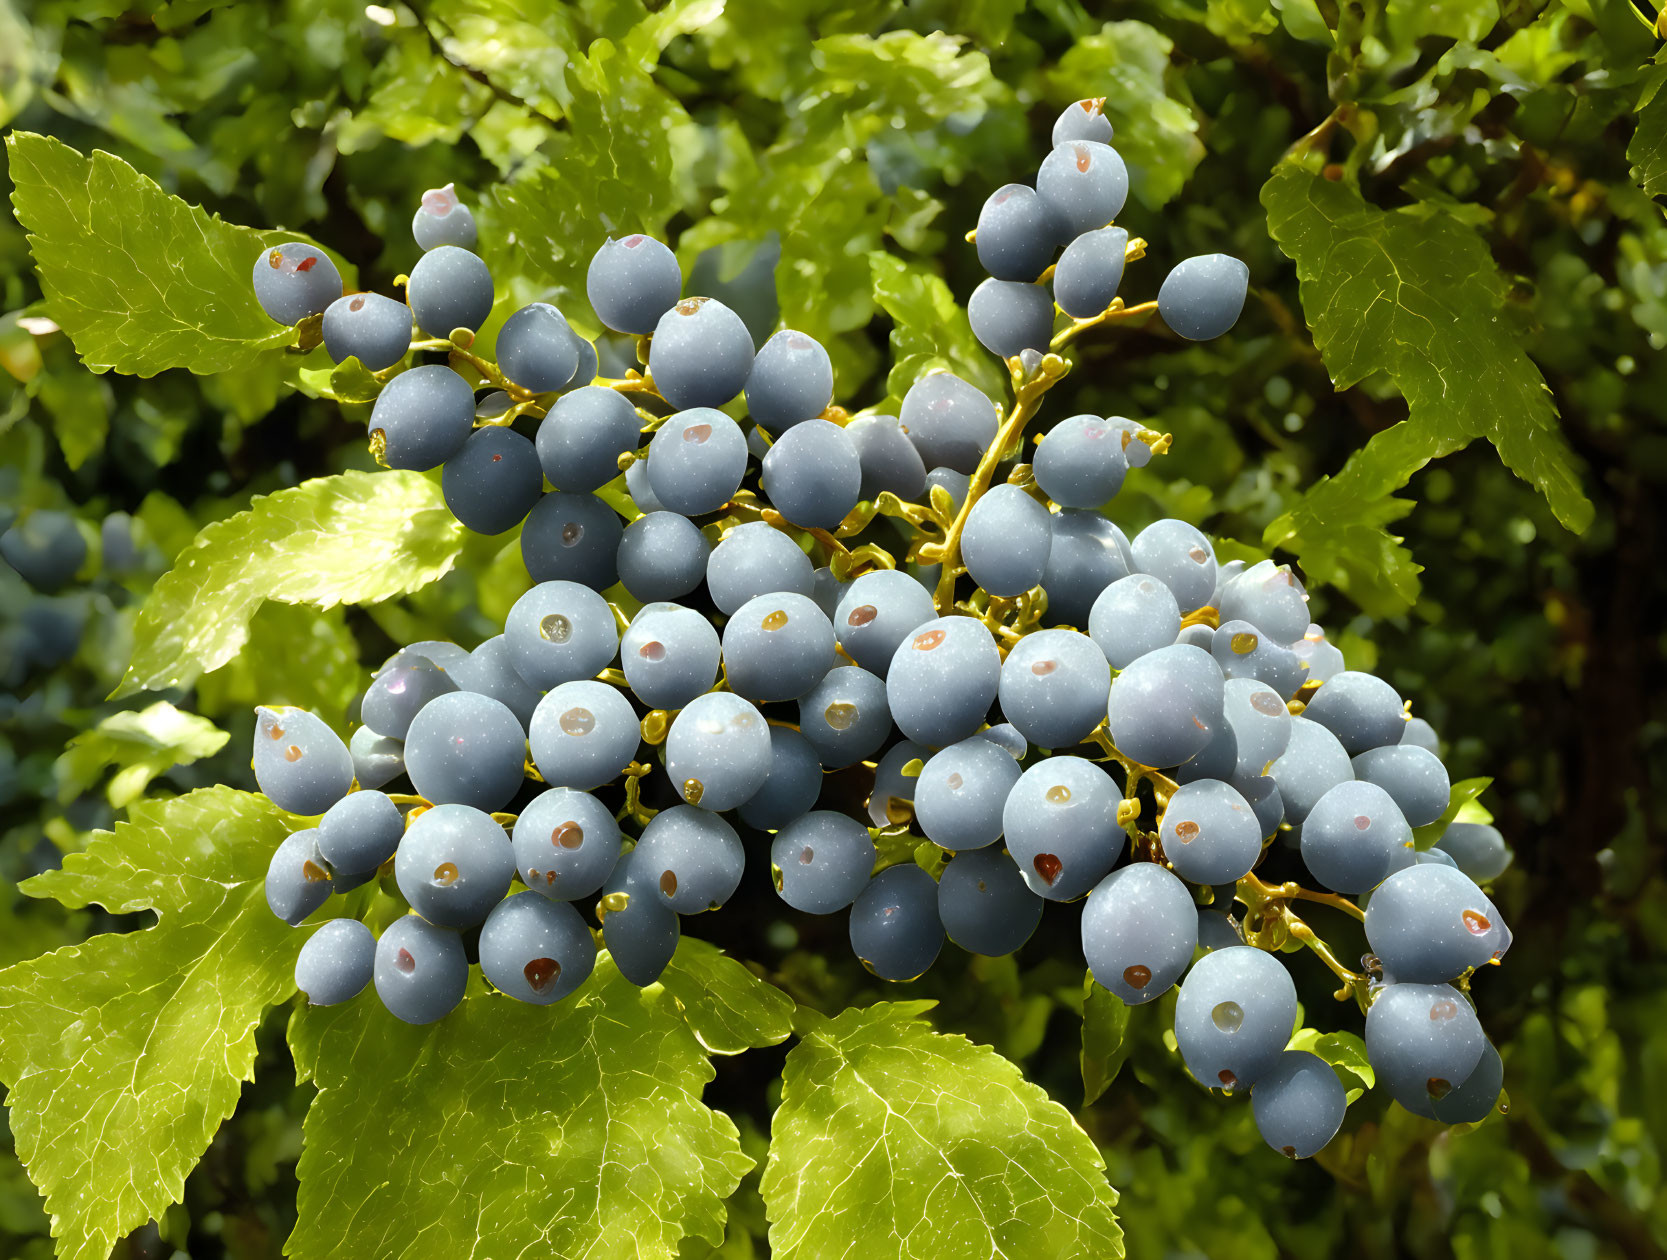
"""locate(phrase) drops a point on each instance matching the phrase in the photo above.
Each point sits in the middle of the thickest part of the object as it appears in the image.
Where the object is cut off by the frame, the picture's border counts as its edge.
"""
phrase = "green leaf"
(140, 280)
(417, 97)
(141, 744)
(1412, 294)
(612, 176)
(522, 47)
(1344, 1051)
(1105, 1038)
(1338, 527)
(929, 329)
(354, 538)
(295, 655)
(895, 1140)
(79, 404)
(124, 1054)
(349, 381)
(1302, 20)
(1461, 794)
(1648, 150)
(1154, 129)
(507, 1129)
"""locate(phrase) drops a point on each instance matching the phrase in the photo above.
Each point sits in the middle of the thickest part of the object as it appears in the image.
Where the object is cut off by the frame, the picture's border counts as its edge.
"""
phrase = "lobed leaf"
(140, 280)
(507, 1129)
(354, 538)
(895, 1140)
(1415, 295)
(124, 1054)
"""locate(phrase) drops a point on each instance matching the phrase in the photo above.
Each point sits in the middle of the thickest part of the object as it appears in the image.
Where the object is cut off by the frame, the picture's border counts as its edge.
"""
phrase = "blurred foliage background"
(780, 144)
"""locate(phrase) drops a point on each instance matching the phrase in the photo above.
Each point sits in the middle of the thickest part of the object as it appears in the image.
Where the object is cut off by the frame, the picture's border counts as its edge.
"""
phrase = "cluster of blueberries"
(726, 651)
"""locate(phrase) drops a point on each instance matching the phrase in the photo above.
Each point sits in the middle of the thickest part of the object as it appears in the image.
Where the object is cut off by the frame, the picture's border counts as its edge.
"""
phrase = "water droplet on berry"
(840, 715)
(693, 790)
(445, 875)
(775, 620)
(1186, 831)
(1085, 157)
(1243, 643)
(1361, 822)
(653, 650)
(292, 753)
(668, 883)
(862, 614)
(357, 304)
(1228, 1017)
(571, 533)
(954, 782)
(578, 722)
(1476, 922)
(1137, 977)
(1048, 867)
(1443, 1009)
(404, 961)
(1265, 702)
(697, 433)
(1437, 1088)
(1058, 794)
(929, 640)
(807, 855)
(1227, 1079)
(1043, 668)
(688, 306)
(569, 835)
(555, 629)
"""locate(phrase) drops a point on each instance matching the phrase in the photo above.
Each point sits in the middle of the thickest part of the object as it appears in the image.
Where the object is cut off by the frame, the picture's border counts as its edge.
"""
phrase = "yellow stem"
(1115, 313)
(1028, 398)
(1291, 891)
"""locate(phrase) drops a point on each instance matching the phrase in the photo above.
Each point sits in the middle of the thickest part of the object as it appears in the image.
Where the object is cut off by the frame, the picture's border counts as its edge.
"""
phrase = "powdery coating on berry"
(442, 219)
(632, 282)
(1202, 297)
(449, 288)
(950, 421)
(1084, 183)
(701, 355)
(1083, 120)
(374, 329)
(791, 381)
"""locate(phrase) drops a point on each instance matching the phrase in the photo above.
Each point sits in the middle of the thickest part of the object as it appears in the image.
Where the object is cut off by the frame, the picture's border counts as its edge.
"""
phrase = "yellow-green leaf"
(354, 538)
(124, 1054)
(140, 280)
(140, 745)
(514, 1130)
(895, 1140)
